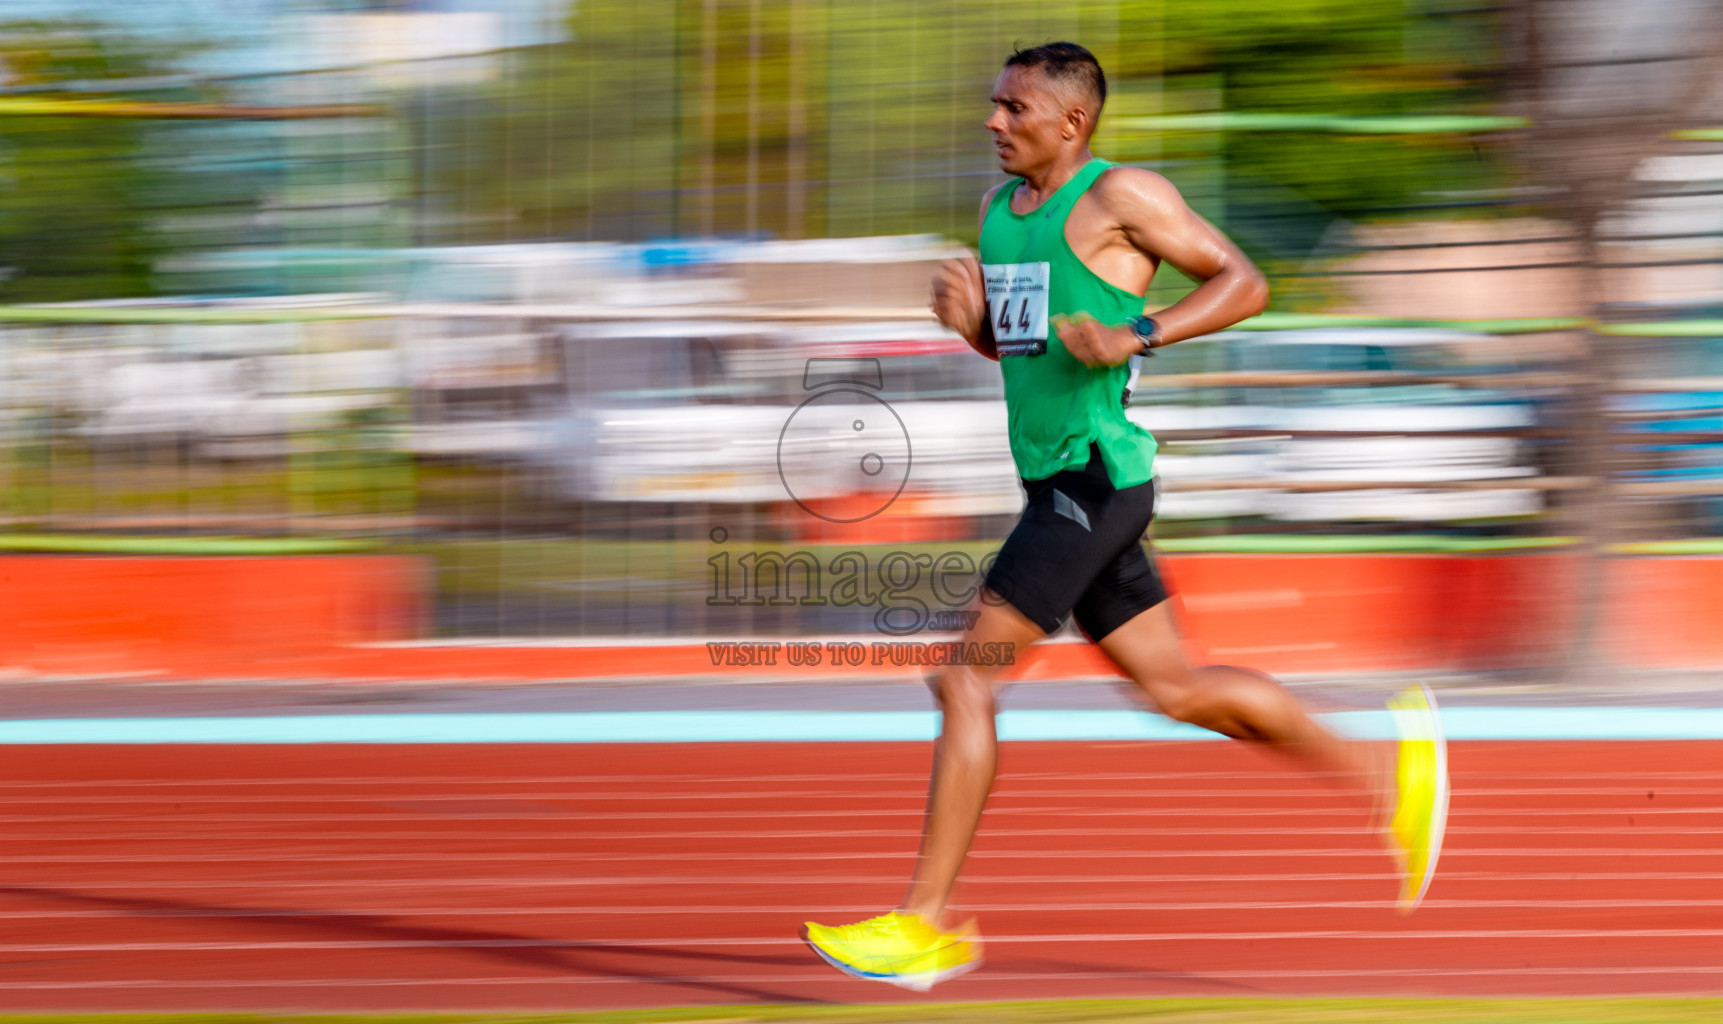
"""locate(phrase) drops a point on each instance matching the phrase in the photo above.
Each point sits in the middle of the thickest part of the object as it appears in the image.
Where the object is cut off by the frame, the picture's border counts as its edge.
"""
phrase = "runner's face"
(1028, 120)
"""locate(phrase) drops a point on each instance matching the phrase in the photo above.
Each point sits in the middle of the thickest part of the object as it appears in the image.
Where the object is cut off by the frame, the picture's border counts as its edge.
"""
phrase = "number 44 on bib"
(1017, 306)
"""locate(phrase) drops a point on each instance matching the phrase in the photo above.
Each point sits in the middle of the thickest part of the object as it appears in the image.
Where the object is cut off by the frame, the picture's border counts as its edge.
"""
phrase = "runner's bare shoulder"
(1154, 219)
(1132, 193)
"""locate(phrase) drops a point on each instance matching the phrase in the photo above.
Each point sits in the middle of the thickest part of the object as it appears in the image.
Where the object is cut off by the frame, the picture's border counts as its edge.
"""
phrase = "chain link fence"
(543, 311)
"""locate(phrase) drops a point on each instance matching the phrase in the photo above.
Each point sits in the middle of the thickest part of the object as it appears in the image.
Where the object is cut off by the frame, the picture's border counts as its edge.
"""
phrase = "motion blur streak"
(528, 289)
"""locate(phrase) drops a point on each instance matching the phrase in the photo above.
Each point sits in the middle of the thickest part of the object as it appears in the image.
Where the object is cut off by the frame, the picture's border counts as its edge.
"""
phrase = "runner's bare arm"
(960, 300)
(1156, 220)
(1153, 218)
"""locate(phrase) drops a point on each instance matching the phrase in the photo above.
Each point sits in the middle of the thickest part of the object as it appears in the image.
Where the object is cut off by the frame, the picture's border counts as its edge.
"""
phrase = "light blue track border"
(1460, 723)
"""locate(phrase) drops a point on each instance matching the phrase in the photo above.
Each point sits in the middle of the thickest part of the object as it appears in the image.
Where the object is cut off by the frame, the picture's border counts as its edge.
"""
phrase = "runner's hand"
(1093, 343)
(959, 299)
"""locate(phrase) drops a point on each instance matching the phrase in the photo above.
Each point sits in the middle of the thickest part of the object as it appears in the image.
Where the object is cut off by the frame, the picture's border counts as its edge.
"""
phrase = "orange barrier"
(1371, 613)
(324, 616)
(199, 616)
(911, 518)
(1666, 612)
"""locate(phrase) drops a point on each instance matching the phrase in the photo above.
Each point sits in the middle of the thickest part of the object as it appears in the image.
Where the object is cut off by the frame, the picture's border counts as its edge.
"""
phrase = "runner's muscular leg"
(964, 759)
(1235, 702)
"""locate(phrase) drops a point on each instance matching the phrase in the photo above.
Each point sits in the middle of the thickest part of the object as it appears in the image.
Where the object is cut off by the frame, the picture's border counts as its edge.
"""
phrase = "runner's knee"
(1167, 684)
(1187, 702)
(961, 688)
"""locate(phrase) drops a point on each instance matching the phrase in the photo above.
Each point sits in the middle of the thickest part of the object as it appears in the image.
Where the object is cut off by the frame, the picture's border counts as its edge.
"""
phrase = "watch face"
(1146, 329)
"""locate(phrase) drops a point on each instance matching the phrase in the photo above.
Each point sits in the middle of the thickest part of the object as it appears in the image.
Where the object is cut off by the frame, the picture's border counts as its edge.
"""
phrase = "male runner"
(1068, 247)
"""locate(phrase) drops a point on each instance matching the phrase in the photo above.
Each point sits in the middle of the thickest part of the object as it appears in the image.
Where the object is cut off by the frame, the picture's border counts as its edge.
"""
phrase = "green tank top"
(1056, 406)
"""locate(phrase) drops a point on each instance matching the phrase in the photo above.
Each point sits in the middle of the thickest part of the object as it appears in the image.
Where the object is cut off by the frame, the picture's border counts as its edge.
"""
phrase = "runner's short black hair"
(1065, 62)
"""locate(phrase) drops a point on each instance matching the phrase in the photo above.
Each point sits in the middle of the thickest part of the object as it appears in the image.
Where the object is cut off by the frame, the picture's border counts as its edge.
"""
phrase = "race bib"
(1017, 305)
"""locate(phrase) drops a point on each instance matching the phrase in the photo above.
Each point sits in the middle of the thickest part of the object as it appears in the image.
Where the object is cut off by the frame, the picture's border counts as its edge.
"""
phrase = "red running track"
(536, 877)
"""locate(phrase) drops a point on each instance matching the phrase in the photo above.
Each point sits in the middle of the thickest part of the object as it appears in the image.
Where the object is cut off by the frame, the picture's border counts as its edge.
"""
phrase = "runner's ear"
(1079, 123)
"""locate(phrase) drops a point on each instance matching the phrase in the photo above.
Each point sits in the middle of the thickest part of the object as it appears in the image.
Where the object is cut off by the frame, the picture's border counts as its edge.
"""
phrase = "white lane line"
(389, 811)
(713, 778)
(477, 832)
(1432, 972)
(1326, 795)
(664, 778)
(425, 810)
(404, 914)
(382, 810)
(1497, 775)
(276, 858)
(16, 885)
(284, 851)
(479, 817)
(718, 779)
(1636, 854)
(970, 880)
(821, 973)
(1336, 935)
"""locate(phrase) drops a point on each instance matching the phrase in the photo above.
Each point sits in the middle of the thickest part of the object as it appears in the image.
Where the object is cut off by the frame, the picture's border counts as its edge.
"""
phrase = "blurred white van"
(709, 412)
(1458, 426)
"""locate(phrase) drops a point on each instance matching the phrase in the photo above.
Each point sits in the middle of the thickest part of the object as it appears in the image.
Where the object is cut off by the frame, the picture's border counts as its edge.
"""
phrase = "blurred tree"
(1346, 57)
(813, 117)
(80, 196)
(1606, 89)
(796, 118)
(570, 140)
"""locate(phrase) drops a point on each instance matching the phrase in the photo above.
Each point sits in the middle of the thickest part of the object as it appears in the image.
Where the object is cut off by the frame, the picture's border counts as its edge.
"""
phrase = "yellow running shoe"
(899, 949)
(1421, 812)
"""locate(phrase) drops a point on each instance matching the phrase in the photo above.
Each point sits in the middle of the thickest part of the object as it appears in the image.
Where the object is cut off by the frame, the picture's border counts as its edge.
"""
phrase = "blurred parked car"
(699, 412)
(1670, 418)
(223, 391)
(1427, 431)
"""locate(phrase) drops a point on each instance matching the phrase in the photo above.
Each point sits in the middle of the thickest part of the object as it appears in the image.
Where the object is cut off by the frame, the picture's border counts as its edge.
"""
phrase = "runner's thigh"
(1074, 526)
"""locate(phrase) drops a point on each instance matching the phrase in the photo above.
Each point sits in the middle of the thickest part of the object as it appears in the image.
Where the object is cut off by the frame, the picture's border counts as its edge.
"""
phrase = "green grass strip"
(1665, 329)
(94, 545)
(179, 315)
(1309, 321)
(547, 553)
(1244, 121)
(1412, 544)
(1697, 546)
(49, 106)
(1088, 1011)
(1265, 322)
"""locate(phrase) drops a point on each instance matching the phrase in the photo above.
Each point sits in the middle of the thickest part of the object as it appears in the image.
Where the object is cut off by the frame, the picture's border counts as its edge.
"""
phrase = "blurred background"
(526, 290)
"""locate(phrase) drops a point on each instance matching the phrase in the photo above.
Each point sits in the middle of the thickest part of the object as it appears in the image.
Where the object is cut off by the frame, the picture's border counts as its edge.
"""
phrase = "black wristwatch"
(1147, 331)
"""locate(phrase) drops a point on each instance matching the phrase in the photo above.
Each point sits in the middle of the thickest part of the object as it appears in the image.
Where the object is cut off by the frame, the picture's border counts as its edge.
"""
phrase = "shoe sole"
(1439, 809)
(914, 982)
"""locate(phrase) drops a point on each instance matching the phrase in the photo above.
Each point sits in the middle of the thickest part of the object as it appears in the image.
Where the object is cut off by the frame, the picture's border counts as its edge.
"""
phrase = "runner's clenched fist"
(1093, 343)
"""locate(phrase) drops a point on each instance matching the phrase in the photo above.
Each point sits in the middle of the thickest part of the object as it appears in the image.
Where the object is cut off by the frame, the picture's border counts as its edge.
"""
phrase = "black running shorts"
(1077, 550)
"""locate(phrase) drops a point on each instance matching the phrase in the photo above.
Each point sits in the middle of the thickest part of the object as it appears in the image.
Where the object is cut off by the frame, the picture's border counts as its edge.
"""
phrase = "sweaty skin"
(1123, 228)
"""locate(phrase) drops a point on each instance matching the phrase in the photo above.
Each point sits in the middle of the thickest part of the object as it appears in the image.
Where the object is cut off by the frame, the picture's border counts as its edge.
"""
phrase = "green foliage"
(1279, 192)
(79, 196)
(813, 118)
(797, 118)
